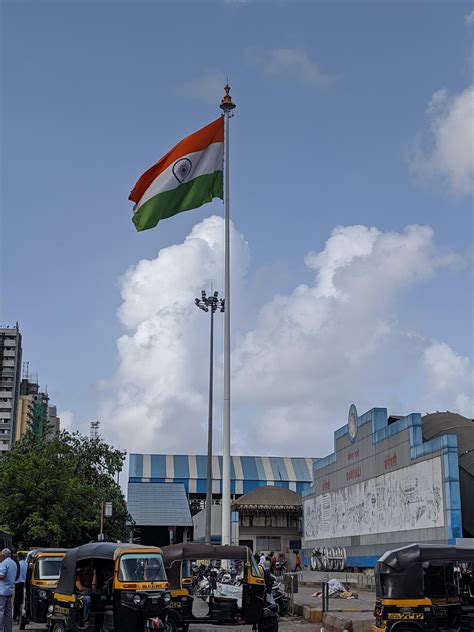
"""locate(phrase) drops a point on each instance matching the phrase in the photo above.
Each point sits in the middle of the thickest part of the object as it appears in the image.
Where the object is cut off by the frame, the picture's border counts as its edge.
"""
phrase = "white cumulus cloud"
(469, 19)
(447, 150)
(207, 87)
(289, 63)
(161, 385)
(450, 377)
(300, 363)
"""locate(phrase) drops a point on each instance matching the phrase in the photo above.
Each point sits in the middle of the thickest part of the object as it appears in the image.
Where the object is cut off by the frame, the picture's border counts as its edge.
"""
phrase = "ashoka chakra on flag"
(188, 176)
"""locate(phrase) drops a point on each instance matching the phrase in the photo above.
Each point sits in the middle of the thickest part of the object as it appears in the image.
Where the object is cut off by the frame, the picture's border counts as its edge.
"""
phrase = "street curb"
(332, 622)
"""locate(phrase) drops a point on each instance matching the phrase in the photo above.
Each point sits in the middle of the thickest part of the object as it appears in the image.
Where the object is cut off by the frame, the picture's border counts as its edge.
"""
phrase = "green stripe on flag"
(185, 197)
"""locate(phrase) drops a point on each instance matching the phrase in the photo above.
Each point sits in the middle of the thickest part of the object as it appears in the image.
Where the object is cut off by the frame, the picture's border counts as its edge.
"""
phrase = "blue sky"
(332, 99)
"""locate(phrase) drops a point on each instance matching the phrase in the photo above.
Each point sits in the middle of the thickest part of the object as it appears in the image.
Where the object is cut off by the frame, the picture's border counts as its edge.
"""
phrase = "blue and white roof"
(159, 504)
(247, 472)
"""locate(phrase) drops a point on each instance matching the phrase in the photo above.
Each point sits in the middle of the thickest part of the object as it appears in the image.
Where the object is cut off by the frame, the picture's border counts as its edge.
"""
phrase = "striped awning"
(247, 472)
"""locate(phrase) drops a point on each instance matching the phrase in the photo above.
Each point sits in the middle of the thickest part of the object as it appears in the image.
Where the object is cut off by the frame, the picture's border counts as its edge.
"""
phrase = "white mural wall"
(408, 498)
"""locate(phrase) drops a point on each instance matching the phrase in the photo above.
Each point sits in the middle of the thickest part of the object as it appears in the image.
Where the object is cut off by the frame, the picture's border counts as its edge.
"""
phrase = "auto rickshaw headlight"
(42, 594)
(166, 597)
(51, 609)
(137, 600)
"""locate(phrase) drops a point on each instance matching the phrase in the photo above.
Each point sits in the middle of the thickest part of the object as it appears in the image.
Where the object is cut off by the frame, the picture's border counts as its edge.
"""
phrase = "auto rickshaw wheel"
(171, 625)
(59, 627)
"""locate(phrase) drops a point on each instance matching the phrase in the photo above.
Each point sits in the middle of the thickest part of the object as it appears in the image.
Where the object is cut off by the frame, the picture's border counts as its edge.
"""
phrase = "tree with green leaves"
(52, 490)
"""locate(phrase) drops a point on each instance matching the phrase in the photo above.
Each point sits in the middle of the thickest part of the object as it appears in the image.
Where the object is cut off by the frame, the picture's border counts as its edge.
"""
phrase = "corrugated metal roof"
(437, 424)
(247, 472)
(159, 504)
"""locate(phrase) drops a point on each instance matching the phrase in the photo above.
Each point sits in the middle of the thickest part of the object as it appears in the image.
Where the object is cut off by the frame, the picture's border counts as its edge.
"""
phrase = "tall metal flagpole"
(227, 106)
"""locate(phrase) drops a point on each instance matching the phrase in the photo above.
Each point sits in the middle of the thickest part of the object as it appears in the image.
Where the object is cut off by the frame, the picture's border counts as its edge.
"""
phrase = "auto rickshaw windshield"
(256, 572)
(48, 568)
(141, 567)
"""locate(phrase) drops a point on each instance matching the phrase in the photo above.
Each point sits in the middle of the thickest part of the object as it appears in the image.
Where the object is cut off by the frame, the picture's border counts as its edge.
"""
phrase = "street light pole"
(210, 304)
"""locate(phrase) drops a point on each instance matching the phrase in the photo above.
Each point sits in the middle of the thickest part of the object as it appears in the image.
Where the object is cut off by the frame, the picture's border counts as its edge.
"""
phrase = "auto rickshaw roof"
(44, 551)
(93, 550)
(194, 551)
(400, 559)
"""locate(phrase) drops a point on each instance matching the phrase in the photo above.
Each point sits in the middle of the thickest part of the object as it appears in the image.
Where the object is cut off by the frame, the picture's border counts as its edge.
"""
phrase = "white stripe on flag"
(203, 162)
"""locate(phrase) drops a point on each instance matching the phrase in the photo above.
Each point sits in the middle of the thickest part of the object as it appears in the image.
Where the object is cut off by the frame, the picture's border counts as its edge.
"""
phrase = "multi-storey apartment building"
(10, 369)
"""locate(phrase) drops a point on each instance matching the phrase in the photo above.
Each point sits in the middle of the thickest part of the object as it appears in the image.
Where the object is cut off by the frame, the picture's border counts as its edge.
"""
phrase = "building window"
(269, 544)
(294, 545)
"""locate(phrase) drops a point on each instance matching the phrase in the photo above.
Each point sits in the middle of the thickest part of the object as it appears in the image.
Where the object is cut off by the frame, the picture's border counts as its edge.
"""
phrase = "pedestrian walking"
(298, 566)
(19, 586)
(8, 571)
(272, 561)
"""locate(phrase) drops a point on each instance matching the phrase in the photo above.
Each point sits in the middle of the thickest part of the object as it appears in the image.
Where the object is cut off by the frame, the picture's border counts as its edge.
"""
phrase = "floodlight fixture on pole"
(227, 106)
(210, 304)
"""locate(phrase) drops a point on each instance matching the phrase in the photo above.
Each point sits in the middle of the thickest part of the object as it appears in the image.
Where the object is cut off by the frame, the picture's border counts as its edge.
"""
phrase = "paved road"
(285, 626)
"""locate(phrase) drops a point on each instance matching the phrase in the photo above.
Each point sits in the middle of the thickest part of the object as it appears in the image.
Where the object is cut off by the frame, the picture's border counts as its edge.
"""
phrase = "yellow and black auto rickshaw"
(425, 587)
(41, 580)
(238, 604)
(127, 590)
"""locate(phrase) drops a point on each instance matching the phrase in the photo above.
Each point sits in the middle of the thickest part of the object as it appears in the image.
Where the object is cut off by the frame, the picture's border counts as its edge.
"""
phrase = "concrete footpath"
(343, 614)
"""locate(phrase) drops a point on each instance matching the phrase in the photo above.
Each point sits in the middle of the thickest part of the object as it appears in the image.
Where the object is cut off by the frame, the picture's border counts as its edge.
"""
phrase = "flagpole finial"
(227, 104)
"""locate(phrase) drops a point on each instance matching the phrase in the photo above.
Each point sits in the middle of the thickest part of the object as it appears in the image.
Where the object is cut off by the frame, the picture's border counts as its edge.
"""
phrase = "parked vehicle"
(278, 595)
(236, 593)
(129, 590)
(425, 587)
(41, 581)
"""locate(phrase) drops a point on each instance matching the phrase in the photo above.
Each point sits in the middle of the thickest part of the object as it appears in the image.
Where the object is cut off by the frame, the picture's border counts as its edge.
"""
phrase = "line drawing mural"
(404, 499)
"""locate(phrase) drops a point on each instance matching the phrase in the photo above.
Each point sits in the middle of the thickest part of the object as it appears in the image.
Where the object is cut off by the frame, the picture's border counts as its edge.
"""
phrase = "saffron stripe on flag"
(200, 140)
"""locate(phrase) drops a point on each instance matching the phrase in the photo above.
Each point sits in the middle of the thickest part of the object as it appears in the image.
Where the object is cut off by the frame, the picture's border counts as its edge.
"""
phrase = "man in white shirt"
(19, 586)
(8, 570)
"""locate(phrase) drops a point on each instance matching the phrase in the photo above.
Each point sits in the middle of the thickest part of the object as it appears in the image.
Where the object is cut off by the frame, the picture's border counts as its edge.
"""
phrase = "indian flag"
(188, 176)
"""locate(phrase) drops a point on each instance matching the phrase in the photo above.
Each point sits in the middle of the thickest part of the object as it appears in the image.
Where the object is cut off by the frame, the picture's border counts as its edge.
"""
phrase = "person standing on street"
(19, 586)
(8, 570)
(298, 561)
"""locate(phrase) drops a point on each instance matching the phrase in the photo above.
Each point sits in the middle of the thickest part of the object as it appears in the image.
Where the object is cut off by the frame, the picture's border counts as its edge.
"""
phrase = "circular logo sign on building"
(352, 423)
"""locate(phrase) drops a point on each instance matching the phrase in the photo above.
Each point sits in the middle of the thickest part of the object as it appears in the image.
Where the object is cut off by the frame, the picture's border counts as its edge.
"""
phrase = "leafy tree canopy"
(52, 490)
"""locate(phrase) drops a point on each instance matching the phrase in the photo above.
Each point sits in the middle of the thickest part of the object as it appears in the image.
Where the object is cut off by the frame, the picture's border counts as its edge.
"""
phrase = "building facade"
(269, 519)
(10, 371)
(190, 471)
(384, 486)
(34, 411)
